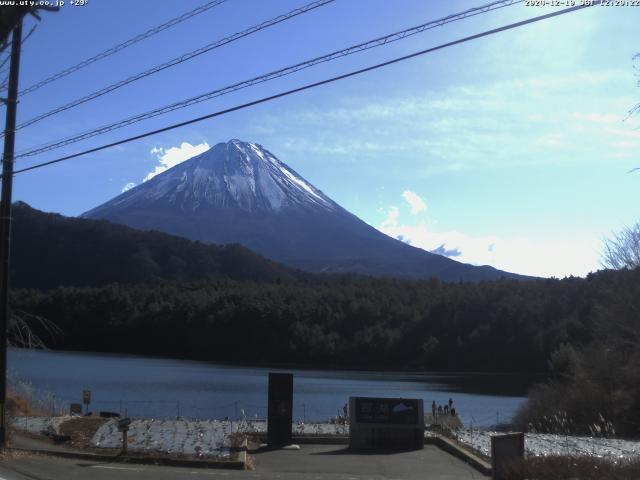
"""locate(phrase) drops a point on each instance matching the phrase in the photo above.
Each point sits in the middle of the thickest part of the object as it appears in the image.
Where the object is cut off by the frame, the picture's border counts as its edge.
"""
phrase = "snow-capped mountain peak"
(239, 192)
(235, 174)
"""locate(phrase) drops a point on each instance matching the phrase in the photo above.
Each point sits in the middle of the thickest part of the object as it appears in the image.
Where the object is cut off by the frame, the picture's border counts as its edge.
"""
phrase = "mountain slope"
(239, 192)
(50, 250)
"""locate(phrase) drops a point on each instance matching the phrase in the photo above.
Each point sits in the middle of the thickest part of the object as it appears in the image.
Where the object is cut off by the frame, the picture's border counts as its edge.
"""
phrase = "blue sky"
(512, 150)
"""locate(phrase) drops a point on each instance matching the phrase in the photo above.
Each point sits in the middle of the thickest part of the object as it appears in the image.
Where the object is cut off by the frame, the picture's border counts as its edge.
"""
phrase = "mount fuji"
(239, 192)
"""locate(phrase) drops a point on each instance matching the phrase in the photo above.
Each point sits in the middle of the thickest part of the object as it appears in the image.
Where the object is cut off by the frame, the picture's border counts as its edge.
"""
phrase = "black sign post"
(86, 399)
(507, 455)
(123, 426)
(280, 409)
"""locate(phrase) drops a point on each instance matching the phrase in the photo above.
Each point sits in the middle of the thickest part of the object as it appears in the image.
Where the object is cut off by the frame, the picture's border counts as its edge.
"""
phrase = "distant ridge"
(50, 250)
(239, 192)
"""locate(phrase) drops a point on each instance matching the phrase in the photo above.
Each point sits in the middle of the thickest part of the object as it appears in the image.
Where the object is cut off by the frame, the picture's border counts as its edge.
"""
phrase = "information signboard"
(388, 423)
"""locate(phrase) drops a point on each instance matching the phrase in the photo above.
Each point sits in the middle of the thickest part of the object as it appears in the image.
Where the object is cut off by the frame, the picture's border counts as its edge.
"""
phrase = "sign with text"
(388, 423)
(86, 397)
(75, 409)
(123, 424)
(280, 409)
(387, 410)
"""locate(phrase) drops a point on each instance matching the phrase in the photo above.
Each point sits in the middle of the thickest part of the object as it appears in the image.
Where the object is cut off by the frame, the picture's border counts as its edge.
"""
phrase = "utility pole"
(5, 219)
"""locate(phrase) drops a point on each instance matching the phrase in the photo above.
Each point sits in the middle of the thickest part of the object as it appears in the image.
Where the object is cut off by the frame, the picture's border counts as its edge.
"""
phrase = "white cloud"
(170, 157)
(415, 202)
(619, 132)
(392, 218)
(128, 186)
(598, 117)
(557, 257)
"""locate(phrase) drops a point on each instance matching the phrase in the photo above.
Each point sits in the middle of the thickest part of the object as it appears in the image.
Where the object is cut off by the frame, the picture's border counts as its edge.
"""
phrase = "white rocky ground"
(39, 424)
(539, 444)
(202, 438)
(212, 438)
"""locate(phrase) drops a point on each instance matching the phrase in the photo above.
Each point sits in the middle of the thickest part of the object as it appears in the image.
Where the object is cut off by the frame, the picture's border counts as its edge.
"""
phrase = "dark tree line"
(342, 321)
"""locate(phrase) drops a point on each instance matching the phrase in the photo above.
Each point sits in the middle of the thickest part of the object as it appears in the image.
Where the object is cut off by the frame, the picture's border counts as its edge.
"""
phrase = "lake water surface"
(157, 387)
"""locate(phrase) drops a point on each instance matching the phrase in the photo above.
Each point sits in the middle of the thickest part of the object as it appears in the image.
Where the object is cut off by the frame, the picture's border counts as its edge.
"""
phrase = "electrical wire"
(3, 63)
(312, 85)
(269, 76)
(5, 82)
(178, 60)
(123, 45)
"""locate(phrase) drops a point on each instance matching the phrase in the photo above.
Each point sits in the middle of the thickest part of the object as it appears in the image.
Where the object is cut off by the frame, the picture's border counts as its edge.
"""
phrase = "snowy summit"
(234, 174)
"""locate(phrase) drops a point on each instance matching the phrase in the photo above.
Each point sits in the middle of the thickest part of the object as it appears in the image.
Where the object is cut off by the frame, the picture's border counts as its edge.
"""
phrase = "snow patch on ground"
(202, 438)
(38, 425)
(212, 438)
(539, 444)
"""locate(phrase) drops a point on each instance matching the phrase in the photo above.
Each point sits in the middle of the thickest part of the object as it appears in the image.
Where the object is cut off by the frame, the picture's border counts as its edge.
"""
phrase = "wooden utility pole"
(5, 219)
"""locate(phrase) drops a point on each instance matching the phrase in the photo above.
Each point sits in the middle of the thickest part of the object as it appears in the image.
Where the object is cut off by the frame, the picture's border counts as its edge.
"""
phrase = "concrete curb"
(320, 440)
(452, 448)
(310, 439)
(239, 464)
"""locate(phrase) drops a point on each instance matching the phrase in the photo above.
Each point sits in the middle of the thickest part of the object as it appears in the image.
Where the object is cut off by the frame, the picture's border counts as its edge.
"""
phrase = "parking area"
(336, 461)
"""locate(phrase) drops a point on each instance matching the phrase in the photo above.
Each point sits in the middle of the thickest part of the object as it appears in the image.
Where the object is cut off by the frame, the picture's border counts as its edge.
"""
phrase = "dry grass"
(81, 430)
(7, 455)
(250, 463)
(20, 405)
(17, 405)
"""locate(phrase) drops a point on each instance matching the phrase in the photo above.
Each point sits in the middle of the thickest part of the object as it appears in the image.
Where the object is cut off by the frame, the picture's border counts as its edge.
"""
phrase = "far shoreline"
(294, 366)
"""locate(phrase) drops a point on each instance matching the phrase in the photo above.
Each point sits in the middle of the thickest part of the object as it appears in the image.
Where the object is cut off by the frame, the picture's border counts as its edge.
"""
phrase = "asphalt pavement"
(311, 462)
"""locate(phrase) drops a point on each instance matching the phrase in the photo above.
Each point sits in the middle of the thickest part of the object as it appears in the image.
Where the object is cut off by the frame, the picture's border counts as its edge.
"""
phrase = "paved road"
(311, 462)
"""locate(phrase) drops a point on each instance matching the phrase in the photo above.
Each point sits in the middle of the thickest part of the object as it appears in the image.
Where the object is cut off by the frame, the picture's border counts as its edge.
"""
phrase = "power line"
(5, 82)
(3, 63)
(269, 76)
(312, 85)
(123, 45)
(178, 60)
(5, 74)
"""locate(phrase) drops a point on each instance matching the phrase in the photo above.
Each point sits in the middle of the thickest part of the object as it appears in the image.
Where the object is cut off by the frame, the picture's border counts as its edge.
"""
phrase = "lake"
(159, 387)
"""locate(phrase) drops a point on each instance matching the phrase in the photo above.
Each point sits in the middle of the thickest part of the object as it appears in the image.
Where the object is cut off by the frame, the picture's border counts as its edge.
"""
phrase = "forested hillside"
(347, 321)
(50, 250)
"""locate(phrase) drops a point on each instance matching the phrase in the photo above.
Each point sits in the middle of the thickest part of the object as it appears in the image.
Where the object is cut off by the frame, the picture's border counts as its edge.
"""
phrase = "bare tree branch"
(623, 250)
(21, 330)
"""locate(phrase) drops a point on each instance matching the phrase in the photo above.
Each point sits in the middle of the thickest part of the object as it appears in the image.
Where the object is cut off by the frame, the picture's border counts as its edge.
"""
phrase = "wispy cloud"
(524, 121)
(392, 218)
(442, 250)
(415, 202)
(170, 157)
(128, 186)
(596, 117)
